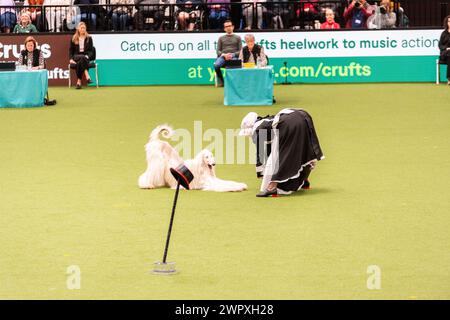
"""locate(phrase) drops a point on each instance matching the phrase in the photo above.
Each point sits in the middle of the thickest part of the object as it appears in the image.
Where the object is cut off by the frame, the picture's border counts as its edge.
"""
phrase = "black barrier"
(204, 16)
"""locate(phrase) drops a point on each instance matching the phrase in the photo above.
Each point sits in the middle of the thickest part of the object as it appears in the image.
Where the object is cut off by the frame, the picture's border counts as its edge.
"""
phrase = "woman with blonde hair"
(81, 52)
(31, 57)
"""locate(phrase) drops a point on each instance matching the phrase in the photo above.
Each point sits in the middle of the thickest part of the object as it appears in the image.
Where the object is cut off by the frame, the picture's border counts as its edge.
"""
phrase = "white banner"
(308, 44)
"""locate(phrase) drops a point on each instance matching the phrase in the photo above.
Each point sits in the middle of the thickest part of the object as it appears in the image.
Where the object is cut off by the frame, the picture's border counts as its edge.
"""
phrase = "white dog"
(161, 156)
(203, 169)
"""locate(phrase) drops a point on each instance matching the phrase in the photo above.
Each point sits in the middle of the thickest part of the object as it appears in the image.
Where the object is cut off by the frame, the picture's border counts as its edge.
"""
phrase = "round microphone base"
(164, 268)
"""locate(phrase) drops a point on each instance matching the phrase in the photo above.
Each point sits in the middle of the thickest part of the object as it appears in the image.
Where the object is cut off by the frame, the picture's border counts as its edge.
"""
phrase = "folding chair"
(92, 65)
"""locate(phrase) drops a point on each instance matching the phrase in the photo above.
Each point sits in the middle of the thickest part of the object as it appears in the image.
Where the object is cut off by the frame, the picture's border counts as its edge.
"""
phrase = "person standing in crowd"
(329, 23)
(81, 52)
(31, 56)
(253, 52)
(8, 18)
(228, 47)
(444, 46)
(25, 25)
(287, 149)
(383, 18)
(356, 14)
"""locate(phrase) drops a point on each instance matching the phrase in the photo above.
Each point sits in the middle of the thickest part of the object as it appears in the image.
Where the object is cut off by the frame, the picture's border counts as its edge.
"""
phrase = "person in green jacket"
(25, 25)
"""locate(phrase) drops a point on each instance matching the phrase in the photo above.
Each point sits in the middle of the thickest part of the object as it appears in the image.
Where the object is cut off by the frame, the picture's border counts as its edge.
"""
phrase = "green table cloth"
(248, 87)
(21, 89)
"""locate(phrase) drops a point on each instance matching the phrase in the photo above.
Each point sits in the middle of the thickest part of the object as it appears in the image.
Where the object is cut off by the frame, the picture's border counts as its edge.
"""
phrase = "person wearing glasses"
(228, 48)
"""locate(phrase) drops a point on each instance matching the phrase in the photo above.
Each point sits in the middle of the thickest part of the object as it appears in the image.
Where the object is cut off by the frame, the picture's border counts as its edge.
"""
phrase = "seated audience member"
(148, 9)
(31, 56)
(8, 18)
(25, 25)
(307, 13)
(86, 13)
(81, 52)
(55, 15)
(188, 14)
(329, 23)
(250, 7)
(35, 12)
(356, 14)
(253, 52)
(228, 48)
(280, 13)
(383, 18)
(219, 11)
(121, 15)
(444, 46)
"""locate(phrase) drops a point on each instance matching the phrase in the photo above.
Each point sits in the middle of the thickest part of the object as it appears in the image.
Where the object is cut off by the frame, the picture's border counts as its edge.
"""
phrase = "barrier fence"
(200, 16)
(299, 57)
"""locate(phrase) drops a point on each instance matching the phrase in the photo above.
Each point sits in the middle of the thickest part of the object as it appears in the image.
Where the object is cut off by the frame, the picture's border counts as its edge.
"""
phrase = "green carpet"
(69, 196)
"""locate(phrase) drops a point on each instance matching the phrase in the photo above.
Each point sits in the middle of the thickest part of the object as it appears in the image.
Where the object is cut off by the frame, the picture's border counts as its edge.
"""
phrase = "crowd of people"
(136, 15)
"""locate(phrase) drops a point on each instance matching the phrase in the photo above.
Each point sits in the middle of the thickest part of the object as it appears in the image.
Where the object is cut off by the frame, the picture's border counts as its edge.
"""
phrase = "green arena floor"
(69, 196)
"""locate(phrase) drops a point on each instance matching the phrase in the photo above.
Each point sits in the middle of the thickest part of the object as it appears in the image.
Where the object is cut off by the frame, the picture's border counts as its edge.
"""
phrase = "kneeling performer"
(287, 149)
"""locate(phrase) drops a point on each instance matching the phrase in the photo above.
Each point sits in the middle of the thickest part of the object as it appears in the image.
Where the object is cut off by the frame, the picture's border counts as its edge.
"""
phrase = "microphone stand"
(286, 75)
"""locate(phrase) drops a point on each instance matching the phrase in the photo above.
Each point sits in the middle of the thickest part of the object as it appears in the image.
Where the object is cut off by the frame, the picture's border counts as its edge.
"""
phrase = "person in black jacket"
(444, 46)
(81, 52)
(253, 52)
(31, 56)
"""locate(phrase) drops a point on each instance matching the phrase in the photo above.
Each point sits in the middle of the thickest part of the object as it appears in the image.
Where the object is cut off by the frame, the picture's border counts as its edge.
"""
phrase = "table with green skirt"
(248, 86)
(23, 88)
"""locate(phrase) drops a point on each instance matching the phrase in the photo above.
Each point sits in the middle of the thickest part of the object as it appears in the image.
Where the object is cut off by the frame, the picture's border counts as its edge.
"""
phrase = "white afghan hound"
(161, 156)
(203, 169)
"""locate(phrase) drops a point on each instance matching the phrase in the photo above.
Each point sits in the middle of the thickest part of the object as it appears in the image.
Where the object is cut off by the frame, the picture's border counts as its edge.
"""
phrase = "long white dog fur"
(161, 156)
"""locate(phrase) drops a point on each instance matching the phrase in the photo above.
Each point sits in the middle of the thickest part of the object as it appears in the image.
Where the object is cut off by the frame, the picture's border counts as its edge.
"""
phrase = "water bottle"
(29, 64)
(258, 62)
(316, 24)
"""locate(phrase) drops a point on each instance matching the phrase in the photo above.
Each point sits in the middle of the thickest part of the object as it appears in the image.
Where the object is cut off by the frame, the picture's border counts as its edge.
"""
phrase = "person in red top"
(329, 23)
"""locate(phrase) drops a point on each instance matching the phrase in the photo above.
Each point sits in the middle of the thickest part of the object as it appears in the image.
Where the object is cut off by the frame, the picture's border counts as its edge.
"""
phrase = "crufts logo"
(58, 73)
(8, 51)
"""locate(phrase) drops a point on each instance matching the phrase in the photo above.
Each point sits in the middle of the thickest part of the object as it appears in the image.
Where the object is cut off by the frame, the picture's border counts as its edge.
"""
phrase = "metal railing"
(264, 15)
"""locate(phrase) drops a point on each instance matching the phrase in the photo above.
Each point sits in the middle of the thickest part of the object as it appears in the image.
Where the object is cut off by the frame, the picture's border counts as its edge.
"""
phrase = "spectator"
(253, 52)
(81, 52)
(35, 12)
(219, 11)
(31, 56)
(307, 13)
(8, 18)
(329, 23)
(384, 17)
(444, 46)
(121, 15)
(148, 9)
(86, 13)
(249, 9)
(228, 48)
(55, 15)
(25, 25)
(280, 11)
(356, 14)
(188, 14)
